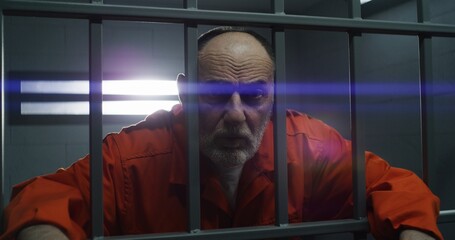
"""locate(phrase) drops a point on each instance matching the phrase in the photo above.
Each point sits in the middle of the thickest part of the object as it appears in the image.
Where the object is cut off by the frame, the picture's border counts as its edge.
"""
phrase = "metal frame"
(96, 126)
(192, 119)
(426, 93)
(279, 127)
(191, 16)
(197, 16)
(357, 137)
(2, 125)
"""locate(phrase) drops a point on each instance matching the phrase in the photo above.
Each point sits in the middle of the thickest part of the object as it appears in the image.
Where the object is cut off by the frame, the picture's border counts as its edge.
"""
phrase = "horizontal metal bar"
(262, 232)
(447, 216)
(198, 16)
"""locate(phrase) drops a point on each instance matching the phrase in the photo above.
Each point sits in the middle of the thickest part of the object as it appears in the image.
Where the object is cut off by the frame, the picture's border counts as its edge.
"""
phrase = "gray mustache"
(237, 132)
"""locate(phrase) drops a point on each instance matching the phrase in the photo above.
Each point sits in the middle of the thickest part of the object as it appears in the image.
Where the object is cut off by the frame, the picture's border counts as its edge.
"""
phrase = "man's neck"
(229, 178)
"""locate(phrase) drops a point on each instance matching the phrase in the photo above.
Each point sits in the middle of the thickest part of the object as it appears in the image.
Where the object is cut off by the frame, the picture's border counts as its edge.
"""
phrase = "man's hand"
(409, 234)
(41, 232)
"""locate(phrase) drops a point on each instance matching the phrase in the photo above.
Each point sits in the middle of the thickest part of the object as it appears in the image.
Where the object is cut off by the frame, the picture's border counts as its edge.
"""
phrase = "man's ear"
(181, 82)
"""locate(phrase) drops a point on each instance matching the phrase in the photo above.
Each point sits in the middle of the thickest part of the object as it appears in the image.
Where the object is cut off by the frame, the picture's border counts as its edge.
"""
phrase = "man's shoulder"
(301, 123)
(154, 135)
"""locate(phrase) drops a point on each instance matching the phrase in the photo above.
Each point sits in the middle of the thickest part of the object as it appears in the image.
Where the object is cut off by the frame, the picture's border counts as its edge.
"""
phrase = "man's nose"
(234, 113)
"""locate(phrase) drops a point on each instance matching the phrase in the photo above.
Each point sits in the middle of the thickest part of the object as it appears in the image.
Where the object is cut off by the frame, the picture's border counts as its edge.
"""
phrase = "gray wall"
(316, 63)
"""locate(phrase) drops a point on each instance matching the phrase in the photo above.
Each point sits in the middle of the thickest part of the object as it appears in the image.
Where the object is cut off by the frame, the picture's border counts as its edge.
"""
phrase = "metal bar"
(3, 201)
(192, 124)
(278, 6)
(262, 232)
(96, 125)
(358, 148)
(354, 10)
(446, 216)
(426, 93)
(423, 11)
(198, 16)
(358, 155)
(280, 146)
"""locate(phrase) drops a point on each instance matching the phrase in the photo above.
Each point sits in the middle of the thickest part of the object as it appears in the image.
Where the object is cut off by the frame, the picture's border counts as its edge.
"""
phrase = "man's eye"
(220, 92)
(253, 94)
(215, 92)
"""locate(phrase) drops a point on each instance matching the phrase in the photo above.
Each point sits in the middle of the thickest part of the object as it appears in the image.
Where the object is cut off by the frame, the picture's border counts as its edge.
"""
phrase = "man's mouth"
(232, 141)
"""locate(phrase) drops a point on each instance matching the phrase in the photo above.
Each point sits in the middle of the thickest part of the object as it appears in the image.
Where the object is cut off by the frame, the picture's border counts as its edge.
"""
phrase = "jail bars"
(3, 201)
(278, 21)
(357, 138)
(279, 127)
(192, 114)
(426, 93)
(96, 125)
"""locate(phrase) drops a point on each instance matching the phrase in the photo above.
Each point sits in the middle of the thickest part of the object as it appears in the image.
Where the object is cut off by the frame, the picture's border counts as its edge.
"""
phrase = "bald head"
(235, 56)
(207, 36)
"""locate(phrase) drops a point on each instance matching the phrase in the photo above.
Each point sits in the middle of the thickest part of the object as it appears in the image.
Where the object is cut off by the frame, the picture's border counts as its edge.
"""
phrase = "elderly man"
(145, 165)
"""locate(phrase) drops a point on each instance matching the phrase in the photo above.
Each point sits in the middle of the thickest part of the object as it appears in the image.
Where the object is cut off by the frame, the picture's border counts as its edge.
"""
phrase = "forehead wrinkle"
(228, 66)
(235, 61)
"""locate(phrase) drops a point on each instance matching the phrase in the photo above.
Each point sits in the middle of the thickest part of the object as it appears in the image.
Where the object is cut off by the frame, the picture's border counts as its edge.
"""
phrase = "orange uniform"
(145, 185)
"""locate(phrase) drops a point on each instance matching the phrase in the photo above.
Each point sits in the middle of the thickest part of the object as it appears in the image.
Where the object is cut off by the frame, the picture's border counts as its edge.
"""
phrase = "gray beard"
(223, 157)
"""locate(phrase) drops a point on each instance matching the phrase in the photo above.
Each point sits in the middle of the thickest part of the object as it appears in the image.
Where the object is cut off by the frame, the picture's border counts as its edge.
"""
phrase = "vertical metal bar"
(96, 125)
(358, 139)
(2, 123)
(426, 90)
(278, 6)
(192, 124)
(423, 11)
(358, 148)
(280, 146)
(354, 10)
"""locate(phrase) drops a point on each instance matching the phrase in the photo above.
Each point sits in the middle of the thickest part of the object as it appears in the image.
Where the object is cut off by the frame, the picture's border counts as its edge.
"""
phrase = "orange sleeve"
(398, 199)
(47, 200)
(61, 199)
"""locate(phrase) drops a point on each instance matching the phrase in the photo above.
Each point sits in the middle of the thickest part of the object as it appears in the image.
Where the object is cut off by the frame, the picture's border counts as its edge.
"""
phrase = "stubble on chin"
(230, 157)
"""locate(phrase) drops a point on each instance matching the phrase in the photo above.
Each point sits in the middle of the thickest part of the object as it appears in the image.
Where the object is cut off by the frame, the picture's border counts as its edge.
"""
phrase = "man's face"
(236, 80)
